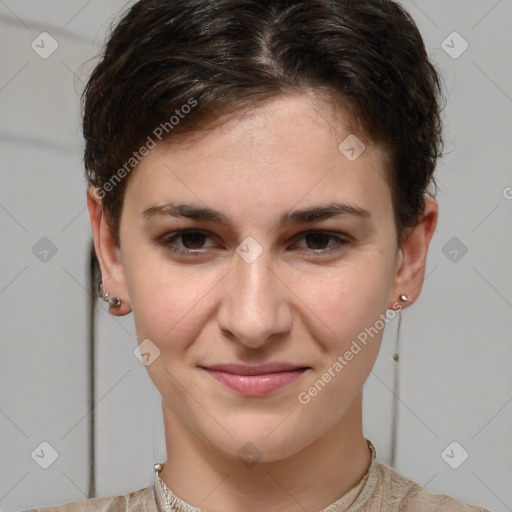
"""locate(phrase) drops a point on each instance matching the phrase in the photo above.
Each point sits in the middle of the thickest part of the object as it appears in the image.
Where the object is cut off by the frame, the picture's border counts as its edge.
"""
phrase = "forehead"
(291, 149)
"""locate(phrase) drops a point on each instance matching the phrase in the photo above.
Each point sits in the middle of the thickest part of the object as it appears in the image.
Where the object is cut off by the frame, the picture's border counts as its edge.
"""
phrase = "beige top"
(381, 489)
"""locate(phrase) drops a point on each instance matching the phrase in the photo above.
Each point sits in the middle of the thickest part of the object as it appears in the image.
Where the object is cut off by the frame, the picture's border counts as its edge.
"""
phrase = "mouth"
(257, 380)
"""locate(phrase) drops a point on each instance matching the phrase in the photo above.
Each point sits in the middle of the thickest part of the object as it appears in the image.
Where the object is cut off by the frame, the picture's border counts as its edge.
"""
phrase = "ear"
(412, 257)
(108, 253)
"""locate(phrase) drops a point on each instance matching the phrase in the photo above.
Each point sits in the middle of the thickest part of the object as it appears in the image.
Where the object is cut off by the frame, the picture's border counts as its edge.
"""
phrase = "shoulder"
(142, 500)
(391, 491)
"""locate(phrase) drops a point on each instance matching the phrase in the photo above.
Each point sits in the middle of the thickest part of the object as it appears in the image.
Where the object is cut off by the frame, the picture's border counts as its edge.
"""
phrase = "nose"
(255, 302)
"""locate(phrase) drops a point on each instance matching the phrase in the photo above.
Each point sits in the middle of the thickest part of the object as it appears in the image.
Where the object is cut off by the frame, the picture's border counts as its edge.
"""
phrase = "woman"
(258, 194)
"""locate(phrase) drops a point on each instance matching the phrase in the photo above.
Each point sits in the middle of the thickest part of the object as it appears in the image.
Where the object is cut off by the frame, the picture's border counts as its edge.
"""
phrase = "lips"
(256, 380)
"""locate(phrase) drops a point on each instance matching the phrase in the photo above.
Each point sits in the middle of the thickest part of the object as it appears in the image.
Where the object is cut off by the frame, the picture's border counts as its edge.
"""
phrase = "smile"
(255, 381)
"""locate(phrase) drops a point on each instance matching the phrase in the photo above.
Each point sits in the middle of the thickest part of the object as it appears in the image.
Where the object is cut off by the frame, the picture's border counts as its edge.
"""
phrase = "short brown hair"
(216, 56)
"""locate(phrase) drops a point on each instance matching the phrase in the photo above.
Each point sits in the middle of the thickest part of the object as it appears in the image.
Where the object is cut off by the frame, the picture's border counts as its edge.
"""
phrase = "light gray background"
(455, 343)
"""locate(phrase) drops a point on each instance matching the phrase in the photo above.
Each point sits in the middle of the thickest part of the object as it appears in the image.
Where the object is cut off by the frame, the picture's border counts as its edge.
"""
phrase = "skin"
(289, 304)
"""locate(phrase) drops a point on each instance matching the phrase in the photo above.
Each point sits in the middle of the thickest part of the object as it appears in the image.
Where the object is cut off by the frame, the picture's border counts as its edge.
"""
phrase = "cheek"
(166, 300)
(346, 300)
(349, 330)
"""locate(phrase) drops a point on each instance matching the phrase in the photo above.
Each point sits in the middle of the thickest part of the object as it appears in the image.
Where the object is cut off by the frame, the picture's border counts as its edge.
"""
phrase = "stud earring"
(404, 298)
(113, 302)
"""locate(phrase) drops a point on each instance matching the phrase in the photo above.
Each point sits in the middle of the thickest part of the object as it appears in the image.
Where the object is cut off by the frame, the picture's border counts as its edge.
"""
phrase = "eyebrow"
(303, 216)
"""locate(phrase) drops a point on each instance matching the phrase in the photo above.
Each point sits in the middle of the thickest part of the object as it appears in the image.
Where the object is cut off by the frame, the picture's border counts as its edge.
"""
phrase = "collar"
(167, 501)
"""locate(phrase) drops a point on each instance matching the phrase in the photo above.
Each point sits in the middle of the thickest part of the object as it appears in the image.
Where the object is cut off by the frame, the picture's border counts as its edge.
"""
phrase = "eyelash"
(168, 239)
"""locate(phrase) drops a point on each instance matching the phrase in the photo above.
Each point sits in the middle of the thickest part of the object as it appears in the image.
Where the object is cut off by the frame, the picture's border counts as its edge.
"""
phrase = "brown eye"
(192, 242)
(192, 239)
(318, 240)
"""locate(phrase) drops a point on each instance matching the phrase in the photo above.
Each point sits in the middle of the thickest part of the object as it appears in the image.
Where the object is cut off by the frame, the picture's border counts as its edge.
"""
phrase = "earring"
(404, 298)
(113, 302)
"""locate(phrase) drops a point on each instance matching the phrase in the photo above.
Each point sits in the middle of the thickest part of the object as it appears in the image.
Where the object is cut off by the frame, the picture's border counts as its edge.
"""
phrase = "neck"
(311, 479)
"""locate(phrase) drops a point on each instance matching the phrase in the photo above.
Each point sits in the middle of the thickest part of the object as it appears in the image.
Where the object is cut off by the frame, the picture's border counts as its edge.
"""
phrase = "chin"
(265, 438)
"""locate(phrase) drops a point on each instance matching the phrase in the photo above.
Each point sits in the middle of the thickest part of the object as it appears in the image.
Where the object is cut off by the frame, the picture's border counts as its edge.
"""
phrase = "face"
(256, 280)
